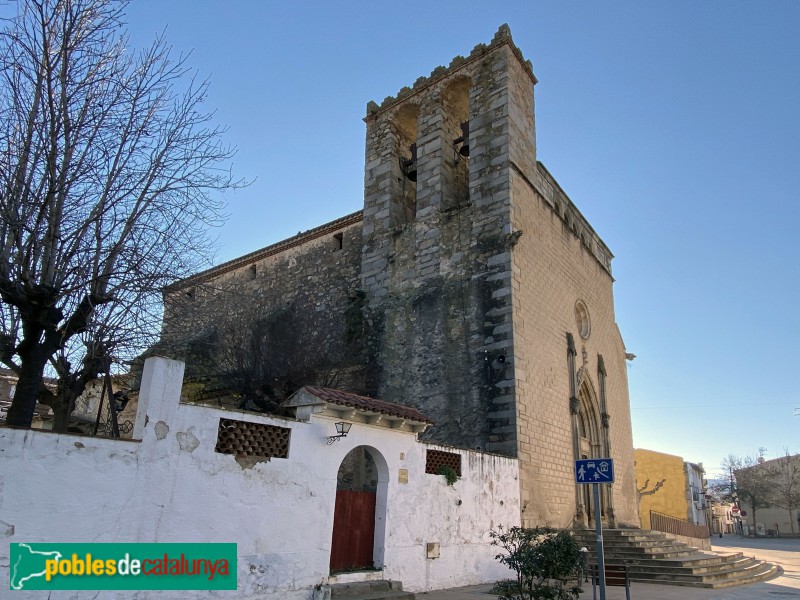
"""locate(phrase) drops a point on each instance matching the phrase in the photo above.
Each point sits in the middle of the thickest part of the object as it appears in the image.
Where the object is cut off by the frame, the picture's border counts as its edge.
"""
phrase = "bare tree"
(785, 473)
(644, 491)
(750, 482)
(109, 173)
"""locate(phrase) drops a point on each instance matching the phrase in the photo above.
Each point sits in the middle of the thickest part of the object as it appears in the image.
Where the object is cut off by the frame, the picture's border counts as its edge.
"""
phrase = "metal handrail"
(668, 524)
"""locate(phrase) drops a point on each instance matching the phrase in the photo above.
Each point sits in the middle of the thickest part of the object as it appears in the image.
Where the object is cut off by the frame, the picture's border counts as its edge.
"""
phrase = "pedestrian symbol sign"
(594, 470)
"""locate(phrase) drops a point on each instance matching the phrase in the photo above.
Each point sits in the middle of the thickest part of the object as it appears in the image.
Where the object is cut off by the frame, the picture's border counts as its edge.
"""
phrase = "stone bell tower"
(483, 283)
(437, 233)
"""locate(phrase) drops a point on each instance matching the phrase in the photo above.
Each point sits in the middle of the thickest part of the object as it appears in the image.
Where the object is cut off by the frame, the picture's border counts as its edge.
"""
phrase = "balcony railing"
(667, 524)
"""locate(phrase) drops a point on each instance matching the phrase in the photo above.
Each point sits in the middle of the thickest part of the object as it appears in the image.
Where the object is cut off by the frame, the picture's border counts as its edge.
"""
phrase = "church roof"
(351, 400)
(301, 238)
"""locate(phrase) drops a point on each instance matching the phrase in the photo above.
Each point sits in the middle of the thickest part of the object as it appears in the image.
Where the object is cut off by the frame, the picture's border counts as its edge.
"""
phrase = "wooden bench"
(615, 575)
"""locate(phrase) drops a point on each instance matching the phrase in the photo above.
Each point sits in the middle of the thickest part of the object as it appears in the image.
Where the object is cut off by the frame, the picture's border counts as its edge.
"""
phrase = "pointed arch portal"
(589, 442)
(590, 437)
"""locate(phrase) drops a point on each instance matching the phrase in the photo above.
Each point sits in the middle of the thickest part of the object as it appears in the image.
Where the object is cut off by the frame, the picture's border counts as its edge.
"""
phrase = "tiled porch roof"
(341, 398)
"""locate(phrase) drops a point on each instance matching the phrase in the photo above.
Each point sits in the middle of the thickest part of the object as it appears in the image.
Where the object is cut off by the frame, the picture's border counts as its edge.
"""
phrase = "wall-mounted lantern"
(342, 429)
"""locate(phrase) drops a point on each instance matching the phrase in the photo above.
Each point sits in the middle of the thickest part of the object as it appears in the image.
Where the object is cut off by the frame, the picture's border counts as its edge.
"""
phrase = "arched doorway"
(359, 515)
(590, 446)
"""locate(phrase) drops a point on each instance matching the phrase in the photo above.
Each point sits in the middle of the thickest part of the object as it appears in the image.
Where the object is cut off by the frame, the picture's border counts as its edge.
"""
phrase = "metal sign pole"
(596, 471)
(598, 526)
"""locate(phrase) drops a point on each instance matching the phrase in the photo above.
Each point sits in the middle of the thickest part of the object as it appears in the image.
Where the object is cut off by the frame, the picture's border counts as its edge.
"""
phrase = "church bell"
(409, 165)
(463, 140)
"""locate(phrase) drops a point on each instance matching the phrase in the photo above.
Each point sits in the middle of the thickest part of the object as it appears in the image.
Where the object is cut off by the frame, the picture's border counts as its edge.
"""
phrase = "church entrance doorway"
(359, 513)
(590, 444)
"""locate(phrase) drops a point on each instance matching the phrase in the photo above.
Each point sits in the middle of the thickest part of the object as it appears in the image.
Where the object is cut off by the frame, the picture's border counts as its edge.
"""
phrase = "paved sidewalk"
(782, 551)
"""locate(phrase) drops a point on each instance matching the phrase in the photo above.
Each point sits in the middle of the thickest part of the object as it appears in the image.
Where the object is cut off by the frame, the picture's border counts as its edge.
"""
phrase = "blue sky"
(674, 127)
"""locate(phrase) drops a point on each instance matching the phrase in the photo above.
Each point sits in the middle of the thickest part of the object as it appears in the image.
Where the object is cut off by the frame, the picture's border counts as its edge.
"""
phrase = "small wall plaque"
(402, 476)
(433, 549)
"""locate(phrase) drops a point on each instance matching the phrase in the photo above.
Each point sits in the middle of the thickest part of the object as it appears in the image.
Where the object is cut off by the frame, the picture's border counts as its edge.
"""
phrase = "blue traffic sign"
(594, 470)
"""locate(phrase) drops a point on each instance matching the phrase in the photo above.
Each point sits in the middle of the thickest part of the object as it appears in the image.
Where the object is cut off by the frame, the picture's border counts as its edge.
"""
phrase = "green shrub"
(547, 563)
(449, 474)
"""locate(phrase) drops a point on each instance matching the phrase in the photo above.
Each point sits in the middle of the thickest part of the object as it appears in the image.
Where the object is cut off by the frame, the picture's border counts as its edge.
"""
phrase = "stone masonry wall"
(302, 288)
(438, 285)
(552, 270)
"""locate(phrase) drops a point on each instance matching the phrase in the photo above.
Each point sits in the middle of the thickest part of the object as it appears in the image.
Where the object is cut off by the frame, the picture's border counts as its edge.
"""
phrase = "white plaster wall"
(694, 481)
(428, 510)
(173, 487)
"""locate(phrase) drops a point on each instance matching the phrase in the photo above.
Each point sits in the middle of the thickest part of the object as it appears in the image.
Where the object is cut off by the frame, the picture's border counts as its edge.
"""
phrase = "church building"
(469, 287)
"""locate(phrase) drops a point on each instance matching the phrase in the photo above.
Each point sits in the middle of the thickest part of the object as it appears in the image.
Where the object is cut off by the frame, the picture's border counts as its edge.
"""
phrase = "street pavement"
(782, 551)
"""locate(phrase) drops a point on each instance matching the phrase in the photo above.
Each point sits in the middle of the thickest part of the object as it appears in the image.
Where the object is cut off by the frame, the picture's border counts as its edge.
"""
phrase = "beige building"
(724, 518)
(470, 286)
(782, 491)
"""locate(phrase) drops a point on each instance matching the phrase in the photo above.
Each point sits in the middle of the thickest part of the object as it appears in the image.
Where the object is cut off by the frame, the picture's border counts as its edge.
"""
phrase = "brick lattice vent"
(435, 459)
(252, 439)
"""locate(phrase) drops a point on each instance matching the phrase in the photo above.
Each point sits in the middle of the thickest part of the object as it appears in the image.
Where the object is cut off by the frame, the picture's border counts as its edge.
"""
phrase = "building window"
(582, 319)
(339, 239)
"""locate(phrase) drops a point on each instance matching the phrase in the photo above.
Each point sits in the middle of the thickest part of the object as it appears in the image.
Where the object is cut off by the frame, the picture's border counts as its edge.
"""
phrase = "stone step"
(757, 572)
(622, 534)
(708, 572)
(668, 543)
(688, 566)
(641, 541)
(645, 543)
(767, 571)
(695, 560)
(625, 543)
(656, 558)
(633, 555)
(632, 542)
(382, 589)
(672, 547)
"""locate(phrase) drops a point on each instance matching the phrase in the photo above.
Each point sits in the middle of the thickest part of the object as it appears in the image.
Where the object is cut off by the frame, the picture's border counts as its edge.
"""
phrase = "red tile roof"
(365, 403)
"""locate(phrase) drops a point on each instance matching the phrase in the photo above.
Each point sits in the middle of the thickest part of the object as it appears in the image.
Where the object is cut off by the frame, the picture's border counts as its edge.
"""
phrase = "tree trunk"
(69, 390)
(61, 414)
(29, 384)
(755, 521)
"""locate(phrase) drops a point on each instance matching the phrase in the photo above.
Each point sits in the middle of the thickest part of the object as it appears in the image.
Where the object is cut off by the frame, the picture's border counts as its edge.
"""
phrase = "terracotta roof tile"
(365, 403)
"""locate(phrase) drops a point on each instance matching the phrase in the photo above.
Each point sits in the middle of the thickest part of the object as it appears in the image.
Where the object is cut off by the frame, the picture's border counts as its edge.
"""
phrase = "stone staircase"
(382, 589)
(653, 557)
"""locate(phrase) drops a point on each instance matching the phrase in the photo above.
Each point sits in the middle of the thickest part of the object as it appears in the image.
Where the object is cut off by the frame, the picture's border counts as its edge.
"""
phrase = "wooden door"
(353, 530)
